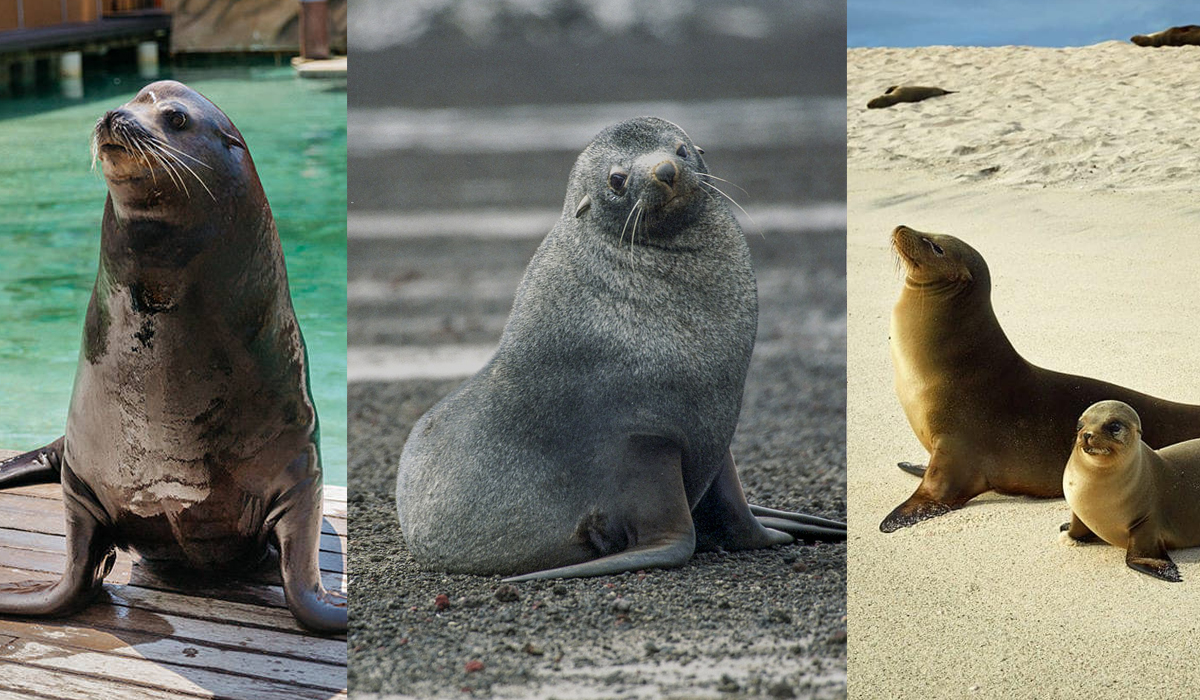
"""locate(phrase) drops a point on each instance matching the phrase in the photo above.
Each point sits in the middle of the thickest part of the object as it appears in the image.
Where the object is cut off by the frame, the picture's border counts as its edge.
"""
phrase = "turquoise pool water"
(51, 204)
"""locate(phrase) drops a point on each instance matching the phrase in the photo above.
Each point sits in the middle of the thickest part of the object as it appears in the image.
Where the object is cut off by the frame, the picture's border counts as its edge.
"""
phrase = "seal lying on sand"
(596, 440)
(1129, 495)
(990, 420)
(192, 435)
(905, 93)
(1188, 35)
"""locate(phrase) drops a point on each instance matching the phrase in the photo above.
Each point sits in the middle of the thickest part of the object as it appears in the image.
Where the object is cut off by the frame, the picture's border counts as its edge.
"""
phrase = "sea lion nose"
(665, 172)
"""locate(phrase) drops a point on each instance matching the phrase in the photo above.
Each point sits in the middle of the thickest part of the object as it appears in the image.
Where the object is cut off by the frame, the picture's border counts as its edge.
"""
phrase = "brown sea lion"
(596, 440)
(989, 419)
(192, 435)
(1188, 35)
(906, 93)
(1129, 495)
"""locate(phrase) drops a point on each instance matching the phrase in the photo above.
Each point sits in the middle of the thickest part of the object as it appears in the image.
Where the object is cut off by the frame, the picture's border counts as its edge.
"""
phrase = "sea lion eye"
(616, 180)
(682, 151)
(176, 119)
(936, 248)
(1113, 428)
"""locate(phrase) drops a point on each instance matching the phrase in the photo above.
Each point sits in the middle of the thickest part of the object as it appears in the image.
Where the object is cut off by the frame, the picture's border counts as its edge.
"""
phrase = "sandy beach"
(1070, 170)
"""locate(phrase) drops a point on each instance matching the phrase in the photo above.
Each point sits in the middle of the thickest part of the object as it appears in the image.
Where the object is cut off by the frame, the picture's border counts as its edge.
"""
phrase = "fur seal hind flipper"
(912, 468)
(40, 466)
(89, 557)
(763, 511)
(660, 555)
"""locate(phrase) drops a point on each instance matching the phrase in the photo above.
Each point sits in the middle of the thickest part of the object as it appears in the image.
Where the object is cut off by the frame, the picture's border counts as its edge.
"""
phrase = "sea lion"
(1188, 35)
(596, 439)
(989, 419)
(906, 93)
(192, 436)
(1129, 495)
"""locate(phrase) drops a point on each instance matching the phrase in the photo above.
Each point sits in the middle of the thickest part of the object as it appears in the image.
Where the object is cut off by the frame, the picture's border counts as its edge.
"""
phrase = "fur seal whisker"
(731, 199)
(721, 179)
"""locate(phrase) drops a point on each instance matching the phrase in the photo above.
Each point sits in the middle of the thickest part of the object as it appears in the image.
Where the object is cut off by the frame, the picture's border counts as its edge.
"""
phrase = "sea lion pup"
(192, 435)
(596, 440)
(1188, 35)
(1129, 495)
(989, 419)
(906, 93)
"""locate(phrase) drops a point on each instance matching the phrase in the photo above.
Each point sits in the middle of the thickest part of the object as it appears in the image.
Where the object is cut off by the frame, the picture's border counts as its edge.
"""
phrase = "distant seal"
(1129, 495)
(1188, 35)
(905, 93)
(596, 440)
(192, 435)
(989, 419)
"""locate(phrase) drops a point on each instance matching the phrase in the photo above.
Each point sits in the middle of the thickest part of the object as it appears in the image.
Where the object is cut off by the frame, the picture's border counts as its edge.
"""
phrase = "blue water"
(51, 204)
(1010, 22)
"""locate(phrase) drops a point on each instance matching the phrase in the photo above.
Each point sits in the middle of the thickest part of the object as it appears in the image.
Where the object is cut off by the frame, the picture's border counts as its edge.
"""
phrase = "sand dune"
(1091, 228)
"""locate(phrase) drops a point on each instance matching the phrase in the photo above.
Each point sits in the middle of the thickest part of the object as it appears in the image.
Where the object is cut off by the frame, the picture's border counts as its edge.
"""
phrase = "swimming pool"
(52, 202)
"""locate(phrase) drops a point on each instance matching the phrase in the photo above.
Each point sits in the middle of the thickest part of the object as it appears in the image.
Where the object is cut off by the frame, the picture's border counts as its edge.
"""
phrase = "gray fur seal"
(1129, 495)
(1188, 35)
(596, 440)
(989, 419)
(905, 93)
(192, 435)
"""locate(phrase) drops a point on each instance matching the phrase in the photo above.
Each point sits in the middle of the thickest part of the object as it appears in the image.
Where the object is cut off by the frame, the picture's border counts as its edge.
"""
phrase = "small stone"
(474, 665)
(779, 616)
(507, 593)
(781, 690)
(727, 684)
(533, 650)
(838, 637)
(560, 590)
(723, 604)
(442, 602)
(622, 606)
(799, 567)
(651, 648)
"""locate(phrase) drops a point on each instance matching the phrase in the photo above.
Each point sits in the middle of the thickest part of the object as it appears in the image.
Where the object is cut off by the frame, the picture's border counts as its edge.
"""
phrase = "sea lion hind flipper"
(659, 555)
(912, 468)
(89, 558)
(762, 511)
(297, 529)
(40, 466)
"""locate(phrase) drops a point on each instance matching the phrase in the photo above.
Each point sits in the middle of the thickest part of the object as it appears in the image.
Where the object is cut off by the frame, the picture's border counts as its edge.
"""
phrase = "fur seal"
(192, 436)
(906, 93)
(1129, 495)
(1188, 35)
(596, 439)
(989, 419)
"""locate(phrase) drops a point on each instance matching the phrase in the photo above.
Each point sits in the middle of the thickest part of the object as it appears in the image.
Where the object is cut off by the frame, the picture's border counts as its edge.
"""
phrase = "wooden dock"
(145, 638)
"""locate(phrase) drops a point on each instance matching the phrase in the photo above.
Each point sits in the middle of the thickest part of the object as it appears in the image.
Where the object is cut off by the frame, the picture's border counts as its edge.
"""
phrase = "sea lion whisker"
(190, 157)
(175, 176)
(183, 165)
(734, 202)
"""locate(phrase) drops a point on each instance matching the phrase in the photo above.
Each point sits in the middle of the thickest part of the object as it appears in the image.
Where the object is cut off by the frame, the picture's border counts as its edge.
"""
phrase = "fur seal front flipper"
(958, 377)
(192, 436)
(596, 440)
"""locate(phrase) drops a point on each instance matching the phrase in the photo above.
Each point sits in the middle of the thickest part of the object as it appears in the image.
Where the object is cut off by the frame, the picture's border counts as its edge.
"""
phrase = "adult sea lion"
(906, 93)
(192, 435)
(596, 440)
(989, 419)
(1129, 495)
(1188, 35)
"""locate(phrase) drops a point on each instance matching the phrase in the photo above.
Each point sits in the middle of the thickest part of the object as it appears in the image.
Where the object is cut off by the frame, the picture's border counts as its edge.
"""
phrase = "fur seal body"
(192, 435)
(596, 440)
(1129, 495)
(989, 419)
(1188, 35)
(905, 93)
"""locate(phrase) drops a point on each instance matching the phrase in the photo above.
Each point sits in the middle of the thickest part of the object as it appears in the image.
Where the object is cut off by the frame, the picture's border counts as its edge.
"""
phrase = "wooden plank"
(22, 539)
(69, 686)
(179, 679)
(179, 652)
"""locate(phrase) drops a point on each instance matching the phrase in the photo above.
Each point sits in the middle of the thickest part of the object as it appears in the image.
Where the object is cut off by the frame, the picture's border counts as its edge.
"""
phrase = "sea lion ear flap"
(584, 205)
(232, 140)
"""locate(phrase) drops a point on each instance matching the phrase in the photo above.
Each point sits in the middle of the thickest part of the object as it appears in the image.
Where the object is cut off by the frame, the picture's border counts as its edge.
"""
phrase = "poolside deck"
(147, 638)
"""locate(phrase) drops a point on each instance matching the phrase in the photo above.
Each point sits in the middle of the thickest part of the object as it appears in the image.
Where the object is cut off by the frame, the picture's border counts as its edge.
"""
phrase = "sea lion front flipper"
(946, 486)
(40, 466)
(913, 468)
(1147, 554)
(660, 555)
(89, 556)
(1078, 531)
(297, 529)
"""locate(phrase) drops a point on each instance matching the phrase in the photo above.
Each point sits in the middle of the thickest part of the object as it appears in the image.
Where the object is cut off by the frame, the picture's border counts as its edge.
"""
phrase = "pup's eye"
(1113, 428)
(177, 120)
(682, 151)
(1079, 426)
(616, 180)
